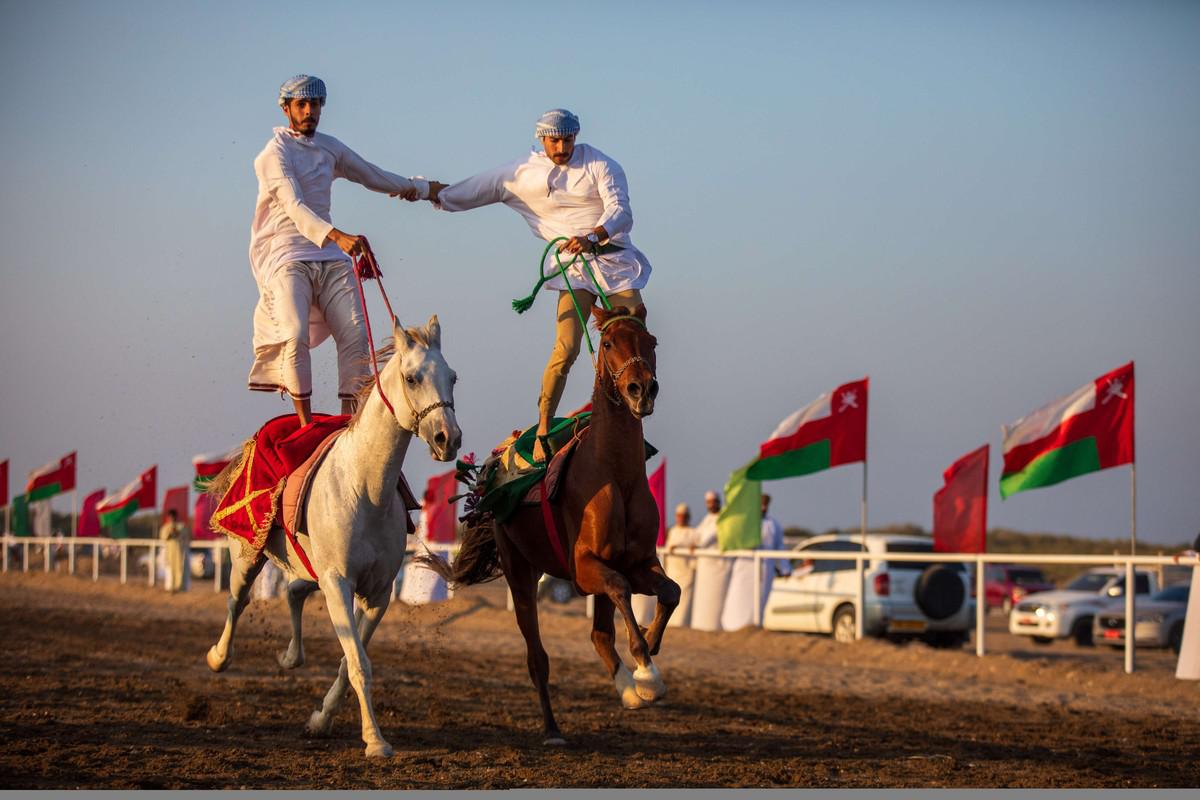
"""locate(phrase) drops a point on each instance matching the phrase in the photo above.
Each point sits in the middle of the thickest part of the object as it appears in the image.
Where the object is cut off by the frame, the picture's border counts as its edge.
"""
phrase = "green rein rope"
(523, 304)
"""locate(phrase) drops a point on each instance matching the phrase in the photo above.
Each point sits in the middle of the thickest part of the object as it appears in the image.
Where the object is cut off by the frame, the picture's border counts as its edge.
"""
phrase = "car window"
(994, 573)
(836, 547)
(1089, 582)
(1173, 594)
(1026, 577)
(916, 566)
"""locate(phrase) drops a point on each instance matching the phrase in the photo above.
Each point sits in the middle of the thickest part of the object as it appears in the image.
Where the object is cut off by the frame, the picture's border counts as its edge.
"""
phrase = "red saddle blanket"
(281, 447)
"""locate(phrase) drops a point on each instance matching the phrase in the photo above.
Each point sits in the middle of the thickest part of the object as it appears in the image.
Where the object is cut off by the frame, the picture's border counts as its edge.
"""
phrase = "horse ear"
(433, 330)
(601, 315)
(400, 335)
(640, 312)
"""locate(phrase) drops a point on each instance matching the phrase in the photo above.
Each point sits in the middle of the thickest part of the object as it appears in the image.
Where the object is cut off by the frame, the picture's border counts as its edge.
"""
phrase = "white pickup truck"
(1069, 612)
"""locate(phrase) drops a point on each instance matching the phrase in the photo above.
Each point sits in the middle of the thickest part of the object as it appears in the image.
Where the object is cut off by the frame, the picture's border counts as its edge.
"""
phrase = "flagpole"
(1130, 575)
(859, 618)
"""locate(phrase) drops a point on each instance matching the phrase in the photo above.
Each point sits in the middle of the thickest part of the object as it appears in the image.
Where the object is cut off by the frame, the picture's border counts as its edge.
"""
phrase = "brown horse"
(605, 518)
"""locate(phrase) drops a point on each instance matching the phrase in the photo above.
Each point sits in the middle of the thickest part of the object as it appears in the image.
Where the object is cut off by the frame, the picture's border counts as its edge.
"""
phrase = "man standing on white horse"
(307, 289)
(578, 193)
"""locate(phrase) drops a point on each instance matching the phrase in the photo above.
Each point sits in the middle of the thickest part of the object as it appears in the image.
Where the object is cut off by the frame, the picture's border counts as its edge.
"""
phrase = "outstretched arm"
(479, 190)
(353, 167)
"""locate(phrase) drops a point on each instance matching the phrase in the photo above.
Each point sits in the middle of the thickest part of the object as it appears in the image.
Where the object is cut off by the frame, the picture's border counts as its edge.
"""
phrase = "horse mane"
(383, 354)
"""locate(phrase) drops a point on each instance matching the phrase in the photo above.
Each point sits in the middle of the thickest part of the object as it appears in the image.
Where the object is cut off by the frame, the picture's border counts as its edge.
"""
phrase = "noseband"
(418, 417)
(615, 375)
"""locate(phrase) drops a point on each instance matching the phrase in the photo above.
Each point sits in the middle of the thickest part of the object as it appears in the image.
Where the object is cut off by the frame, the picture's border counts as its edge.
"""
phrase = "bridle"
(615, 374)
(367, 268)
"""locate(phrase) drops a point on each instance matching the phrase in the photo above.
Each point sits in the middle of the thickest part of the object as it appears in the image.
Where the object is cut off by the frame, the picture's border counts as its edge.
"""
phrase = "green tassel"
(524, 304)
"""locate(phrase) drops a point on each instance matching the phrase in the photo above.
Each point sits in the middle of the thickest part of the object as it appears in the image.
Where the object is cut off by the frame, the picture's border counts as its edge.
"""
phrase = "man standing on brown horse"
(307, 289)
(578, 193)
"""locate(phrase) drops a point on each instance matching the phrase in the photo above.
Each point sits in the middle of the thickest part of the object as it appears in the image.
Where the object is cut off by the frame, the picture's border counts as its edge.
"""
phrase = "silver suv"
(904, 599)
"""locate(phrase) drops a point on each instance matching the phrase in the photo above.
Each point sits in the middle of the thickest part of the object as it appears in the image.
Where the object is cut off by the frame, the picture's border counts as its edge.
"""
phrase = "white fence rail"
(219, 546)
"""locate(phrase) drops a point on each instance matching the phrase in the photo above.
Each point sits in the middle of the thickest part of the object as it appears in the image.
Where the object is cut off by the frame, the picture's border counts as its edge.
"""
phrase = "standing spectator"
(682, 569)
(712, 572)
(1188, 668)
(179, 541)
(772, 539)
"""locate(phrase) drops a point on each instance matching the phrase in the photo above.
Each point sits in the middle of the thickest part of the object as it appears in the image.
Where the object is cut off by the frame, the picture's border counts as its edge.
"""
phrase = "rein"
(366, 268)
(523, 304)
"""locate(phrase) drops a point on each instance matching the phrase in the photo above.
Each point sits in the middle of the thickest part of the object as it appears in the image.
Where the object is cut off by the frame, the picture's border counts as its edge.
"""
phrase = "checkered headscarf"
(301, 86)
(557, 122)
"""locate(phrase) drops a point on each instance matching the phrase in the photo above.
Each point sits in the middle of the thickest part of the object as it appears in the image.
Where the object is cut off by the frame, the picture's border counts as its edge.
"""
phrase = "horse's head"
(626, 365)
(422, 385)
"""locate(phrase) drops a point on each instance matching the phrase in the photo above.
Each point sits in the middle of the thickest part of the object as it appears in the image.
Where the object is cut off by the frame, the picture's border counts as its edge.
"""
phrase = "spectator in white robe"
(741, 597)
(1188, 666)
(772, 539)
(680, 567)
(712, 572)
(418, 585)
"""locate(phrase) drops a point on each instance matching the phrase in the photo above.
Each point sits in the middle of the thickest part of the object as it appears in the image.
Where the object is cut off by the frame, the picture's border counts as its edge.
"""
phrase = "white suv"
(1068, 613)
(903, 598)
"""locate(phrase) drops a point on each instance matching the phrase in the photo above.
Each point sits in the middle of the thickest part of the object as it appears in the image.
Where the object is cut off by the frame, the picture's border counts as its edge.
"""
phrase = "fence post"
(6, 553)
(25, 560)
(46, 556)
(153, 564)
(758, 581)
(1130, 624)
(124, 562)
(95, 561)
(980, 606)
(71, 556)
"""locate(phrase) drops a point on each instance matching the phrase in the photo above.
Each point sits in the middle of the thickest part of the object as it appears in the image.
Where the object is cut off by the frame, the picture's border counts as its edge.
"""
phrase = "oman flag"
(139, 494)
(830, 431)
(207, 465)
(1088, 430)
(960, 507)
(55, 478)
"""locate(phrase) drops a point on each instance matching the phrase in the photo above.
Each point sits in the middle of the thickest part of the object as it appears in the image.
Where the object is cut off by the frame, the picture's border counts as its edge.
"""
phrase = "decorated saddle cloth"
(278, 464)
(510, 477)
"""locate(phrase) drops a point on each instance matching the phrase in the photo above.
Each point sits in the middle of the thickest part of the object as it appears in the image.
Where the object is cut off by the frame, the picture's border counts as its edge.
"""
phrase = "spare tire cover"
(939, 592)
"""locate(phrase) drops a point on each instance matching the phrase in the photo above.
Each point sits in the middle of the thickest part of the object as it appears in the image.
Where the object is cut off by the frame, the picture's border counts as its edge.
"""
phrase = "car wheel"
(939, 592)
(1082, 632)
(843, 625)
(1043, 640)
(1007, 606)
(1175, 639)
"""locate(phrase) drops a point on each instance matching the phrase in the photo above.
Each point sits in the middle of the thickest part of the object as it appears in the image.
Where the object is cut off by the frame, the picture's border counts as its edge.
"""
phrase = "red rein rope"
(367, 268)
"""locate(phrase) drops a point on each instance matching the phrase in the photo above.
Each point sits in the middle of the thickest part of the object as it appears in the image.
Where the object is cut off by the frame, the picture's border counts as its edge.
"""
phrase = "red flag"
(176, 498)
(206, 504)
(89, 520)
(440, 513)
(960, 507)
(3, 483)
(658, 488)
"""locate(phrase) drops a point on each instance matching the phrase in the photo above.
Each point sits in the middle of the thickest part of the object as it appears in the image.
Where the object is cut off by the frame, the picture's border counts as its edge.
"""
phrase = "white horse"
(356, 522)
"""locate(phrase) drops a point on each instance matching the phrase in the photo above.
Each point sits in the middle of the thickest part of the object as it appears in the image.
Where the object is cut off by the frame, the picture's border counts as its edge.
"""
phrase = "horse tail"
(220, 483)
(478, 560)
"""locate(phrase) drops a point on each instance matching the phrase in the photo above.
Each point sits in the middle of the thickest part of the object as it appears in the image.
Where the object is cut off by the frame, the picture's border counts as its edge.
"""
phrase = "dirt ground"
(105, 686)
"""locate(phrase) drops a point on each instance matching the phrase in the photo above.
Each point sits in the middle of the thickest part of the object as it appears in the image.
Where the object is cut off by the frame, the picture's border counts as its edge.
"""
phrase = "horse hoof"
(555, 741)
(319, 725)
(627, 689)
(214, 661)
(381, 750)
(284, 657)
(649, 683)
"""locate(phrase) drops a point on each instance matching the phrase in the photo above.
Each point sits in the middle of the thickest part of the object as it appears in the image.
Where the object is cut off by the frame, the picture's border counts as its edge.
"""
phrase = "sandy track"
(106, 687)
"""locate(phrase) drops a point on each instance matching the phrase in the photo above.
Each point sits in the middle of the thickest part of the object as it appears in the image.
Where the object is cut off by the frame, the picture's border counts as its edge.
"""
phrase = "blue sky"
(981, 206)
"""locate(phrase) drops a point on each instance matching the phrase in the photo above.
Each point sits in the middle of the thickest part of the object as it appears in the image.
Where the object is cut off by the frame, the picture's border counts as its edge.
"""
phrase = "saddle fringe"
(478, 559)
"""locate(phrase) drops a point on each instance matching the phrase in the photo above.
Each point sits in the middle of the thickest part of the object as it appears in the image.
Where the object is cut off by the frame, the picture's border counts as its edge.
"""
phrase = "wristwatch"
(595, 241)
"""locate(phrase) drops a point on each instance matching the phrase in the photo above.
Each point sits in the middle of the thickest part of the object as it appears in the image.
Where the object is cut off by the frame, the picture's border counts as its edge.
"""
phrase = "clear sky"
(982, 206)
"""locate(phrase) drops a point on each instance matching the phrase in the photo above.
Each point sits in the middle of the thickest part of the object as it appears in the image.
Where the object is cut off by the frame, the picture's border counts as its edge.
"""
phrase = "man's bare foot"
(539, 452)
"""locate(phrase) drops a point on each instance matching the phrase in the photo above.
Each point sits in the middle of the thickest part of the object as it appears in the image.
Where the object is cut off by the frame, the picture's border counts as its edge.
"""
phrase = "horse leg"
(603, 635)
(522, 581)
(594, 577)
(241, 577)
(339, 597)
(297, 592)
(651, 578)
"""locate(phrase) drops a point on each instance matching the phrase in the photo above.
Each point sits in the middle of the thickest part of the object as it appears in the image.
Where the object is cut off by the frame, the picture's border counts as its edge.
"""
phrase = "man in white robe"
(772, 539)
(307, 290)
(682, 538)
(565, 190)
(712, 572)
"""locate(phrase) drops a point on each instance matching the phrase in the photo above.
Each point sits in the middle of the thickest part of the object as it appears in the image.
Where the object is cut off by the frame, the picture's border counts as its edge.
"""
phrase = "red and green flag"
(207, 465)
(138, 495)
(1088, 430)
(55, 478)
(829, 432)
